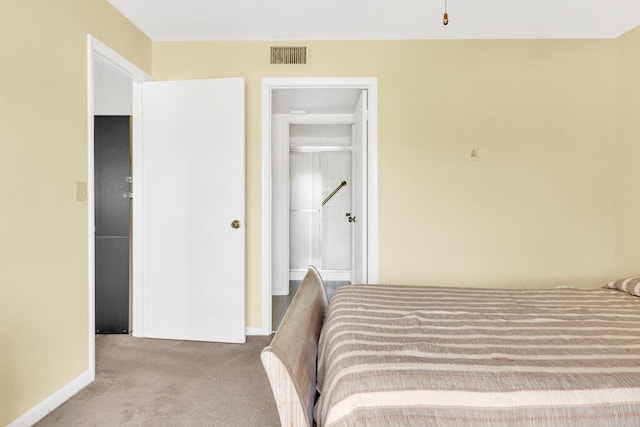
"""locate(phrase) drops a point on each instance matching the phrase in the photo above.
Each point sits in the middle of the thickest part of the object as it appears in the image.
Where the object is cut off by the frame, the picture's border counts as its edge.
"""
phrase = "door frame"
(268, 85)
(97, 49)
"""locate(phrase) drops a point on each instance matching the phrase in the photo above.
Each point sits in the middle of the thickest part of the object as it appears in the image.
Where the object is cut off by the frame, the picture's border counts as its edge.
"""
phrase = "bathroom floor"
(280, 303)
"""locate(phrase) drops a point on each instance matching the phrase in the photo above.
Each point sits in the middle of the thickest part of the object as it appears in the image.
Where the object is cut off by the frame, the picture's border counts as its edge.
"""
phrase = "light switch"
(81, 191)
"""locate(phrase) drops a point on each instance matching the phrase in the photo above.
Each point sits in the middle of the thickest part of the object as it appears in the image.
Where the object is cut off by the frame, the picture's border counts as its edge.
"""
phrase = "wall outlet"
(81, 191)
(474, 154)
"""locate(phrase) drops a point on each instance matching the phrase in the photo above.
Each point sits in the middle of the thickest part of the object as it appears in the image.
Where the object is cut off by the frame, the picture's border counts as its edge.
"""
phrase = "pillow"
(630, 285)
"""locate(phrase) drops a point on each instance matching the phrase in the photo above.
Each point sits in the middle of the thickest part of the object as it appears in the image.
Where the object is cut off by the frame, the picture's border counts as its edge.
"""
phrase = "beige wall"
(43, 151)
(535, 210)
(628, 154)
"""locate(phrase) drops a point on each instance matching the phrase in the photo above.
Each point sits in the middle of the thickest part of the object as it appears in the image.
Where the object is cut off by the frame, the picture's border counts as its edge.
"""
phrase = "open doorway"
(112, 111)
(321, 180)
(113, 96)
(111, 189)
(322, 220)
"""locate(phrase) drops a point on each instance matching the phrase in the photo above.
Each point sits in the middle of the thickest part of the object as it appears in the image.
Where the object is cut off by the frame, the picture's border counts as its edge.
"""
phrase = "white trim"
(115, 59)
(268, 84)
(318, 148)
(137, 215)
(372, 178)
(91, 214)
(312, 119)
(43, 408)
(252, 331)
(266, 206)
(95, 48)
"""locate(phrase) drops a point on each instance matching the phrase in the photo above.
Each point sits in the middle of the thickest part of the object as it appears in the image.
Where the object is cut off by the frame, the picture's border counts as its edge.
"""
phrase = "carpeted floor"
(144, 382)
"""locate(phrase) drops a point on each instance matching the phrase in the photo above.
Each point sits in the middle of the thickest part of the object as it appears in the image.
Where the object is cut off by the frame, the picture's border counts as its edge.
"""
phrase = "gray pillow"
(630, 285)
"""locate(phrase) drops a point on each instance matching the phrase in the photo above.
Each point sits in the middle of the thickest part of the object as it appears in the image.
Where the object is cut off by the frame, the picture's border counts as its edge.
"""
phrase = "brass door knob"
(235, 224)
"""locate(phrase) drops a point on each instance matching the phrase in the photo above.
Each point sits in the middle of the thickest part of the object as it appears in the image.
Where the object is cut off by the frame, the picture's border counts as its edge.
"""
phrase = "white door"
(360, 180)
(193, 165)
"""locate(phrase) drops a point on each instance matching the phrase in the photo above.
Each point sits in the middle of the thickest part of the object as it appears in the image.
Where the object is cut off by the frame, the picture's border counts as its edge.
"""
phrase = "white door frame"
(268, 85)
(97, 49)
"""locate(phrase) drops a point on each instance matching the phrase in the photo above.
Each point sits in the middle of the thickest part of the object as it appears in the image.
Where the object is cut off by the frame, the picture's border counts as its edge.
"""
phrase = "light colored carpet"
(144, 382)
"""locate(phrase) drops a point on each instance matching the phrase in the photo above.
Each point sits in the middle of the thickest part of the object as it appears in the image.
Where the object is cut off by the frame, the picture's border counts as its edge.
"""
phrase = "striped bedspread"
(427, 356)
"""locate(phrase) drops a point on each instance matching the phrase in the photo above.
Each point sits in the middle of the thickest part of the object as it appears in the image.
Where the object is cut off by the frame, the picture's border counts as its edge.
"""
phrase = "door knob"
(235, 224)
(351, 218)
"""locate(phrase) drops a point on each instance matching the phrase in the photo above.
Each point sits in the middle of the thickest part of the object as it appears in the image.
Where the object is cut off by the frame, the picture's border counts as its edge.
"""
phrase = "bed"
(396, 355)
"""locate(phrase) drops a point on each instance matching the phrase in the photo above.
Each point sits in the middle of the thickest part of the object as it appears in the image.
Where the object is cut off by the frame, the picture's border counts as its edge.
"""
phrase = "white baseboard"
(279, 292)
(43, 408)
(253, 331)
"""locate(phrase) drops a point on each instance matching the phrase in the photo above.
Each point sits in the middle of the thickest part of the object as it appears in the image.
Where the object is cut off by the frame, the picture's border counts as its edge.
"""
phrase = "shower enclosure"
(320, 200)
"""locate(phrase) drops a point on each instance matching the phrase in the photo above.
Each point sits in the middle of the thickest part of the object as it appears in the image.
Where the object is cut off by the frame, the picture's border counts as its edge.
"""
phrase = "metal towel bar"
(333, 193)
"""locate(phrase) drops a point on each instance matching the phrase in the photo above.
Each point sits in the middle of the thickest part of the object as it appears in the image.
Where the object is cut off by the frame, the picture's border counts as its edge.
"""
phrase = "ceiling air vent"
(288, 54)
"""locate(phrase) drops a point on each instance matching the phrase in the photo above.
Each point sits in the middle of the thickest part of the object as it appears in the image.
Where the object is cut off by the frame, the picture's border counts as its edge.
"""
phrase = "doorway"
(113, 89)
(322, 220)
(198, 126)
(319, 173)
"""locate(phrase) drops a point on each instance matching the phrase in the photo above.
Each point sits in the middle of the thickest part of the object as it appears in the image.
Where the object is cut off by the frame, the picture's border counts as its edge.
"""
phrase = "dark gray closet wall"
(112, 141)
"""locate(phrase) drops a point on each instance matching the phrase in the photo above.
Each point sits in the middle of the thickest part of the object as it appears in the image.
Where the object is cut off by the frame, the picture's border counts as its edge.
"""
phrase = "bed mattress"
(430, 356)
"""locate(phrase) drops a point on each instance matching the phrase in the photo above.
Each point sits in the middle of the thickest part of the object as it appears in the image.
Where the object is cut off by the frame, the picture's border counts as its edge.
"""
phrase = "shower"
(320, 206)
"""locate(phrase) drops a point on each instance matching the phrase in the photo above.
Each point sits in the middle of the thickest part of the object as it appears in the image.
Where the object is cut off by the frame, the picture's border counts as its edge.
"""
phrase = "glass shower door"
(320, 235)
(305, 186)
(335, 250)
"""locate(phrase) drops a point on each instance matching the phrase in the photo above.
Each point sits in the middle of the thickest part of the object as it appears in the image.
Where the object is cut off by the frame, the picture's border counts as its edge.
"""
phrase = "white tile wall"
(336, 229)
(305, 183)
(321, 236)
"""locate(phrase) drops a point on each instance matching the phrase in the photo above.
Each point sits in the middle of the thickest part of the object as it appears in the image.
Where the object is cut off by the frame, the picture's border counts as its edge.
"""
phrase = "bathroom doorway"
(320, 184)
(321, 218)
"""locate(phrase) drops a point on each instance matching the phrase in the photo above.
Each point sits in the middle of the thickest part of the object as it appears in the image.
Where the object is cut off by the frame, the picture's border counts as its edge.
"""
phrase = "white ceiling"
(185, 20)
